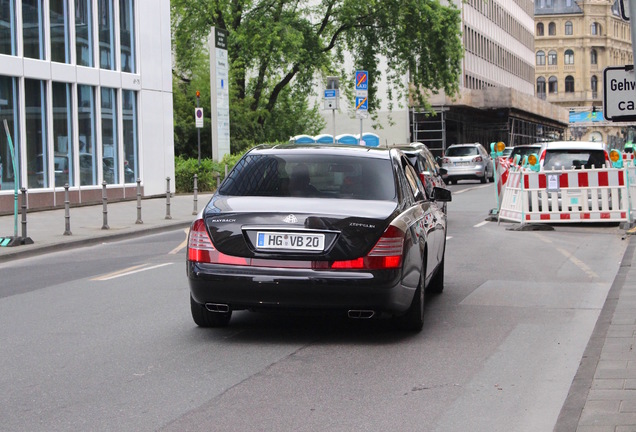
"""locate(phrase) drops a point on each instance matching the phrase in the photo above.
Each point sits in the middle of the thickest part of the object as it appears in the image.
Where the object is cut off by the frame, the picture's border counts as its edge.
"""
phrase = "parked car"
(506, 152)
(467, 161)
(524, 151)
(331, 228)
(426, 167)
(559, 155)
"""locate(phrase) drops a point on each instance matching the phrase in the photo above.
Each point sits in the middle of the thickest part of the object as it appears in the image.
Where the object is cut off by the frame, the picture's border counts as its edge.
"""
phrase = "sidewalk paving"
(46, 228)
(602, 396)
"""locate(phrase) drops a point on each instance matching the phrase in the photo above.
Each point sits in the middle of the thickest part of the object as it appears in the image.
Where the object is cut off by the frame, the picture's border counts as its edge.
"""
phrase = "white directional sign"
(619, 93)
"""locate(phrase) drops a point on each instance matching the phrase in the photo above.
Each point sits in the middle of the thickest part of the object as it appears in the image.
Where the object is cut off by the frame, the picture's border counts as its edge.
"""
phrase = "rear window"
(313, 175)
(577, 159)
(462, 151)
(524, 151)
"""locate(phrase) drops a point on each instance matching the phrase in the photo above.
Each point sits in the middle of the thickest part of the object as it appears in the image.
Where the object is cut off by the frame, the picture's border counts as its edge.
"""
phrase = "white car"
(467, 161)
(560, 155)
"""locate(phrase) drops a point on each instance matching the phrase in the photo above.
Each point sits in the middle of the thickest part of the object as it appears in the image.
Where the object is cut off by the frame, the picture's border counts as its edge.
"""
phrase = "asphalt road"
(100, 338)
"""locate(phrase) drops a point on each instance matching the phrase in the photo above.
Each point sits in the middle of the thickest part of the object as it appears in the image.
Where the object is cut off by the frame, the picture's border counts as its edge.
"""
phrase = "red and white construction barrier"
(566, 196)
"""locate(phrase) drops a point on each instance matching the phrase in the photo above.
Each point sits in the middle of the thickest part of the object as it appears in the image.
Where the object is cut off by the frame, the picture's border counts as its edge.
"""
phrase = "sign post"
(198, 121)
(332, 99)
(219, 93)
(362, 97)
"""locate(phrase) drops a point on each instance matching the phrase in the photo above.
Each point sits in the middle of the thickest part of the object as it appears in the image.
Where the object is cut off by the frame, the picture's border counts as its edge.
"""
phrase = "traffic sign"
(362, 80)
(619, 93)
(331, 94)
(198, 117)
(362, 103)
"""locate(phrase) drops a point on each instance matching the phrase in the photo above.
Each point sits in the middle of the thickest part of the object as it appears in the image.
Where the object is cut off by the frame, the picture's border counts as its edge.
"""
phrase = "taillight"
(446, 161)
(386, 254)
(478, 159)
(201, 249)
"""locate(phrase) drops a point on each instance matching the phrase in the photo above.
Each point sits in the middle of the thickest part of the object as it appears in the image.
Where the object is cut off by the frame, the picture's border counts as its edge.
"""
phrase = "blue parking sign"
(362, 103)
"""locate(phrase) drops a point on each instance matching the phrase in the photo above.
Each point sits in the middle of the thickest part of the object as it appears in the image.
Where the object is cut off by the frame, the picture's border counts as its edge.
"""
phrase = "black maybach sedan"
(327, 228)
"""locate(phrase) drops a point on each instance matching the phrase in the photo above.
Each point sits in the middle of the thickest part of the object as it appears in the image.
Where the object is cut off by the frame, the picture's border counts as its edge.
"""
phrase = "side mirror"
(443, 171)
(441, 194)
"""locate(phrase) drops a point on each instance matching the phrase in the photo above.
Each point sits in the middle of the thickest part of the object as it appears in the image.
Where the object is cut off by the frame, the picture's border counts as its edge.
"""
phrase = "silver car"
(467, 161)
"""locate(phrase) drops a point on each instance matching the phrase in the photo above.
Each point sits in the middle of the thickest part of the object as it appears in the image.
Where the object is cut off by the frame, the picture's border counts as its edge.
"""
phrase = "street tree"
(278, 48)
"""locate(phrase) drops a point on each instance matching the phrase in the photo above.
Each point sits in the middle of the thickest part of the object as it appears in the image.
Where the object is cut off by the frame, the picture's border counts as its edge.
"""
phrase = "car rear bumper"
(464, 172)
(270, 288)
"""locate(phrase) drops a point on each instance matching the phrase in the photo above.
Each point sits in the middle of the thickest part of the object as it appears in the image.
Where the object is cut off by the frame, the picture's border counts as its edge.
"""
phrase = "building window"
(86, 131)
(593, 57)
(127, 35)
(131, 145)
(106, 34)
(84, 32)
(110, 160)
(33, 28)
(540, 29)
(541, 88)
(8, 111)
(552, 58)
(35, 116)
(595, 29)
(594, 85)
(569, 84)
(568, 28)
(540, 58)
(569, 57)
(62, 134)
(60, 51)
(553, 85)
(7, 27)
(552, 29)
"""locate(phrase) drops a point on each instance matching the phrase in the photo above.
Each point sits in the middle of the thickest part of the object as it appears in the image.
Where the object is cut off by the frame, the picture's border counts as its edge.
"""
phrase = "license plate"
(462, 163)
(293, 241)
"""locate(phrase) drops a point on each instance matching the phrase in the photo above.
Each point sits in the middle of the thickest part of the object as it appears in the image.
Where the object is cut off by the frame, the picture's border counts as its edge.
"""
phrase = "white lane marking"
(480, 224)
(129, 271)
(471, 188)
(182, 245)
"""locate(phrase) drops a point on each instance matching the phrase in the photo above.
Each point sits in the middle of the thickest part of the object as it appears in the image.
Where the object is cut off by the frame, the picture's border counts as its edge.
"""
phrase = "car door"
(426, 218)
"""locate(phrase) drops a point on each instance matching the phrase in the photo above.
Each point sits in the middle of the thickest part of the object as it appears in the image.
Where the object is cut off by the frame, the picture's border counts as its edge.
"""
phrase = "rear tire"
(204, 318)
(413, 319)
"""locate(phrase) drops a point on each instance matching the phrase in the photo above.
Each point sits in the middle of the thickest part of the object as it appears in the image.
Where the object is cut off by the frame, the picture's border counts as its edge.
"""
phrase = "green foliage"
(207, 172)
(278, 48)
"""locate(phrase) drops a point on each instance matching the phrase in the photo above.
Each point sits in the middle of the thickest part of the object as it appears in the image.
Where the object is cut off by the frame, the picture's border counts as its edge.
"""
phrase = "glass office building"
(85, 99)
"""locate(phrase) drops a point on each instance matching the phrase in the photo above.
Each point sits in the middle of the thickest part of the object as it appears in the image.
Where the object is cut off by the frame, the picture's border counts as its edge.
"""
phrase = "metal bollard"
(218, 180)
(194, 209)
(105, 209)
(139, 221)
(67, 212)
(168, 198)
(24, 216)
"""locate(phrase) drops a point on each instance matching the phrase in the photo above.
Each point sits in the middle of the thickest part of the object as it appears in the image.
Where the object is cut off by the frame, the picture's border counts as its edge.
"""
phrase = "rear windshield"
(462, 151)
(303, 175)
(577, 159)
(524, 151)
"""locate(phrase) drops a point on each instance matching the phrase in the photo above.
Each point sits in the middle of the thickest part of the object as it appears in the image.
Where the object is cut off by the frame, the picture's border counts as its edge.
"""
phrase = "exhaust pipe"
(360, 314)
(217, 307)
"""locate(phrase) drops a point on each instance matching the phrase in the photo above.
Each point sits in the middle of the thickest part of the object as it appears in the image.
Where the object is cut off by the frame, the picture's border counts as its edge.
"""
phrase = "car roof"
(321, 149)
(465, 145)
(568, 145)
